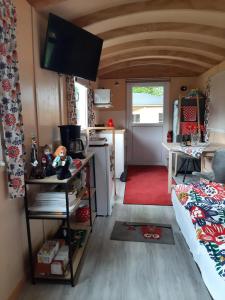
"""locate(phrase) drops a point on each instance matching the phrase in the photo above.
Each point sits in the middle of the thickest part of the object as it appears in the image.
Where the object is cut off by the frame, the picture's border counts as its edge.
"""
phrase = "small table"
(198, 151)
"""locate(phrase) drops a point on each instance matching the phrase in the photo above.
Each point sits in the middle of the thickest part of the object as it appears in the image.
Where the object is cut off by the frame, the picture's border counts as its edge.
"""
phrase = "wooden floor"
(114, 270)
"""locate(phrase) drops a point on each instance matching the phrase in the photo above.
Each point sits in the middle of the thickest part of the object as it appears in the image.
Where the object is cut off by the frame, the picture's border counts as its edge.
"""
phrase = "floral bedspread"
(205, 202)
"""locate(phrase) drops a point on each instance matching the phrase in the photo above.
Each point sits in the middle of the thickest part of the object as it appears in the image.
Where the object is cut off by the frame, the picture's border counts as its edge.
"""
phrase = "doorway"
(147, 122)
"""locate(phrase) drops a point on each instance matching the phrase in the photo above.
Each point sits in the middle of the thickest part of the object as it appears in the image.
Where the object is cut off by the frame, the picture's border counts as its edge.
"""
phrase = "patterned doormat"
(142, 232)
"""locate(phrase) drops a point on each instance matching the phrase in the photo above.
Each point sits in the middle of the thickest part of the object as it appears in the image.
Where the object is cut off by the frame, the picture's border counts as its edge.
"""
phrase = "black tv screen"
(71, 50)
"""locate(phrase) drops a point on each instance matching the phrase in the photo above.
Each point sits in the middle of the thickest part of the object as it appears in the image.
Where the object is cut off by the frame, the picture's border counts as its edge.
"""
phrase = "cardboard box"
(60, 262)
(48, 251)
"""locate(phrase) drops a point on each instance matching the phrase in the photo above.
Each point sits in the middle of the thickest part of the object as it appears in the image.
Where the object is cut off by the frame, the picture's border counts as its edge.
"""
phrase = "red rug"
(147, 185)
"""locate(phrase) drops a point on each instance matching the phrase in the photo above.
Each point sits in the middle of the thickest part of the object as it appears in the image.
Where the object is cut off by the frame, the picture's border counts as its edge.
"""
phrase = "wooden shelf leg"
(69, 236)
(29, 238)
(170, 167)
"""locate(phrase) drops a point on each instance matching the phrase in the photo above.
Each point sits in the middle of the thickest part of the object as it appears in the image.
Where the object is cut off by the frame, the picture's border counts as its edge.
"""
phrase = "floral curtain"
(207, 106)
(71, 101)
(10, 100)
(91, 115)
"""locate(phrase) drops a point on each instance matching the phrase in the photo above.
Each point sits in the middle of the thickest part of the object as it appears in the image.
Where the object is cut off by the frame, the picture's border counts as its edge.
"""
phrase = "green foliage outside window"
(152, 90)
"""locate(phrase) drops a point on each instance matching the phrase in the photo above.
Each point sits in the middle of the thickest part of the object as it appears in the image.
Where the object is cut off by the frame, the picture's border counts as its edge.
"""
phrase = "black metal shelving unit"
(65, 217)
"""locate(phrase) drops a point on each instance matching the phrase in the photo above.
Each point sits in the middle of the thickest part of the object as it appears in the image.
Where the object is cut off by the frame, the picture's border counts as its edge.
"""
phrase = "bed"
(200, 214)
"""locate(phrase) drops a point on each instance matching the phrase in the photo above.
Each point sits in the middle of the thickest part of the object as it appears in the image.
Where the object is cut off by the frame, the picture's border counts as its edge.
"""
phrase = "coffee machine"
(70, 138)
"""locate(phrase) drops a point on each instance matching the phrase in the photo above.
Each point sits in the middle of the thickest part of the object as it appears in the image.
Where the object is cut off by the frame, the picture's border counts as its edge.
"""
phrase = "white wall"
(41, 115)
(217, 106)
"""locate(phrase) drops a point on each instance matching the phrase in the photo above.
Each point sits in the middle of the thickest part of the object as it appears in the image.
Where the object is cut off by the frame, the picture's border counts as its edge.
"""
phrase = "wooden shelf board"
(101, 128)
(53, 179)
(60, 216)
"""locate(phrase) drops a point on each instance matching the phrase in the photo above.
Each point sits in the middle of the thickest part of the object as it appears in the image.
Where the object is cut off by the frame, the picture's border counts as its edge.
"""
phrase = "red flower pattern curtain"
(71, 101)
(10, 100)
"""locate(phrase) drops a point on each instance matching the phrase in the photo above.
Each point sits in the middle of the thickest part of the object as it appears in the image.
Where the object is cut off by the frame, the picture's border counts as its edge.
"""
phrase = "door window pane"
(147, 104)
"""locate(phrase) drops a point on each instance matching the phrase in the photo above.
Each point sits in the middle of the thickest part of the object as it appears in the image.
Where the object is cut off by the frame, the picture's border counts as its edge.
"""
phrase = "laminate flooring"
(115, 270)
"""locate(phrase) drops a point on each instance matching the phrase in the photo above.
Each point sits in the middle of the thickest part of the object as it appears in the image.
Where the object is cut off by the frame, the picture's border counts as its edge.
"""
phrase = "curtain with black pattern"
(10, 101)
(71, 100)
(91, 115)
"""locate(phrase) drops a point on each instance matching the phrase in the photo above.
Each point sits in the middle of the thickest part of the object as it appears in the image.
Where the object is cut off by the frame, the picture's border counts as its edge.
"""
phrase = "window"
(136, 118)
(147, 104)
(81, 105)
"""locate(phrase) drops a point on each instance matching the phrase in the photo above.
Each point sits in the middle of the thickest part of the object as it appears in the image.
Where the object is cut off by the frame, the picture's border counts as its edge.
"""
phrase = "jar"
(194, 139)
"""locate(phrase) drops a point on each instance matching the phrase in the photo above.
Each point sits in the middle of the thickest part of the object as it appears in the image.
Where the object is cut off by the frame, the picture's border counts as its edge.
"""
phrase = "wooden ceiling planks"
(137, 7)
(40, 4)
(184, 38)
(185, 56)
(153, 61)
(149, 71)
(209, 50)
(205, 30)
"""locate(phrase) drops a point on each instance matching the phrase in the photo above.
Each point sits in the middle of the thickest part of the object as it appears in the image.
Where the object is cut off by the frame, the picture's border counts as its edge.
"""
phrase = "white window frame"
(82, 107)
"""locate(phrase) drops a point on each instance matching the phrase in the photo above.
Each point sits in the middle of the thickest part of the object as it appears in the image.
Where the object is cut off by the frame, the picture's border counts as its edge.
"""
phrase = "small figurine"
(46, 161)
(62, 163)
(36, 169)
(34, 159)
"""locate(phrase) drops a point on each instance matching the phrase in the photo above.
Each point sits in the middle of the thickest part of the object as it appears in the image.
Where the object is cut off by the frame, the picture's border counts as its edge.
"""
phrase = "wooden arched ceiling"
(153, 6)
(148, 53)
(204, 30)
(149, 71)
(196, 47)
(155, 38)
(153, 62)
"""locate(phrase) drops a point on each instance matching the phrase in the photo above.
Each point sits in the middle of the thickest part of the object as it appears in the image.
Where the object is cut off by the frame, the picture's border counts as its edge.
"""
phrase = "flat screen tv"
(71, 50)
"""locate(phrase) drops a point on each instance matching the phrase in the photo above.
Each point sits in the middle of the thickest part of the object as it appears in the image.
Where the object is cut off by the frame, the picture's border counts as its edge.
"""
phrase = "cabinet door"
(101, 180)
(119, 150)
(119, 154)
